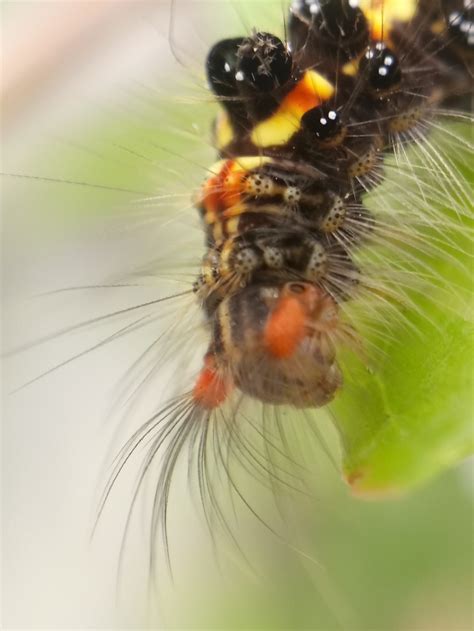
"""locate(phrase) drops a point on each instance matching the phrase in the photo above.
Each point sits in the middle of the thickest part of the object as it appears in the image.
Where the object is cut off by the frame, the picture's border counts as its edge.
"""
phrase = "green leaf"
(408, 416)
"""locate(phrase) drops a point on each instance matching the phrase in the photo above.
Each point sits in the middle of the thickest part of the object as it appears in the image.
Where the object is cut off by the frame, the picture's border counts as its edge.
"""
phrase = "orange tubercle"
(210, 389)
(222, 192)
(215, 190)
(286, 327)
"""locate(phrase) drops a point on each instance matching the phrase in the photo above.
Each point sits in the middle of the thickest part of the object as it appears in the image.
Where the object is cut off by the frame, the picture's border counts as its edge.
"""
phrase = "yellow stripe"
(242, 163)
(217, 232)
(312, 90)
(248, 163)
(225, 256)
(232, 225)
(226, 332)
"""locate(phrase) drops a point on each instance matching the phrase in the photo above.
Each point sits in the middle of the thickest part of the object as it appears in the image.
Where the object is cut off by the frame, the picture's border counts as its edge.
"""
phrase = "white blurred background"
(76, 78)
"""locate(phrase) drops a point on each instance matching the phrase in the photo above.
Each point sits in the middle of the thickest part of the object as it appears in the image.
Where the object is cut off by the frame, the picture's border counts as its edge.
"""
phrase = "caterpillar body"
(291, 277)
(283, 211)
(303, 134)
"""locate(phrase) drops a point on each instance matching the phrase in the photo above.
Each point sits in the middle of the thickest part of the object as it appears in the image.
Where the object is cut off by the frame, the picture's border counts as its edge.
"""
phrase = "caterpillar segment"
(274, 342)
(301, 136)
(230, 200)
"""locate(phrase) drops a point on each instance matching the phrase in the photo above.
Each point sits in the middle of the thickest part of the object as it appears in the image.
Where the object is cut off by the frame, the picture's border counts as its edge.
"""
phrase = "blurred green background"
(109, 101)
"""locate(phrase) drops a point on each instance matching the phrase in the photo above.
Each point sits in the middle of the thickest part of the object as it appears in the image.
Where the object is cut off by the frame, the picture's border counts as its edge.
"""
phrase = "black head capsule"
(324, 124)
(263, 63)
(381, 68)
(221, 66)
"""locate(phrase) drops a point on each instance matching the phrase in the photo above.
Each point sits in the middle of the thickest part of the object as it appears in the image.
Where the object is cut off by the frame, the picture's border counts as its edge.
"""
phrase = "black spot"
(221, 66)
(322, 121)
(264, 63)
(381, 68)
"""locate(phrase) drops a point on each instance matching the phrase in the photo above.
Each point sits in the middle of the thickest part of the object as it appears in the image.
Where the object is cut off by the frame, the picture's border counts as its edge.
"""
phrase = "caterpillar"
(302, 133)
(283, 212)
(305, 131)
